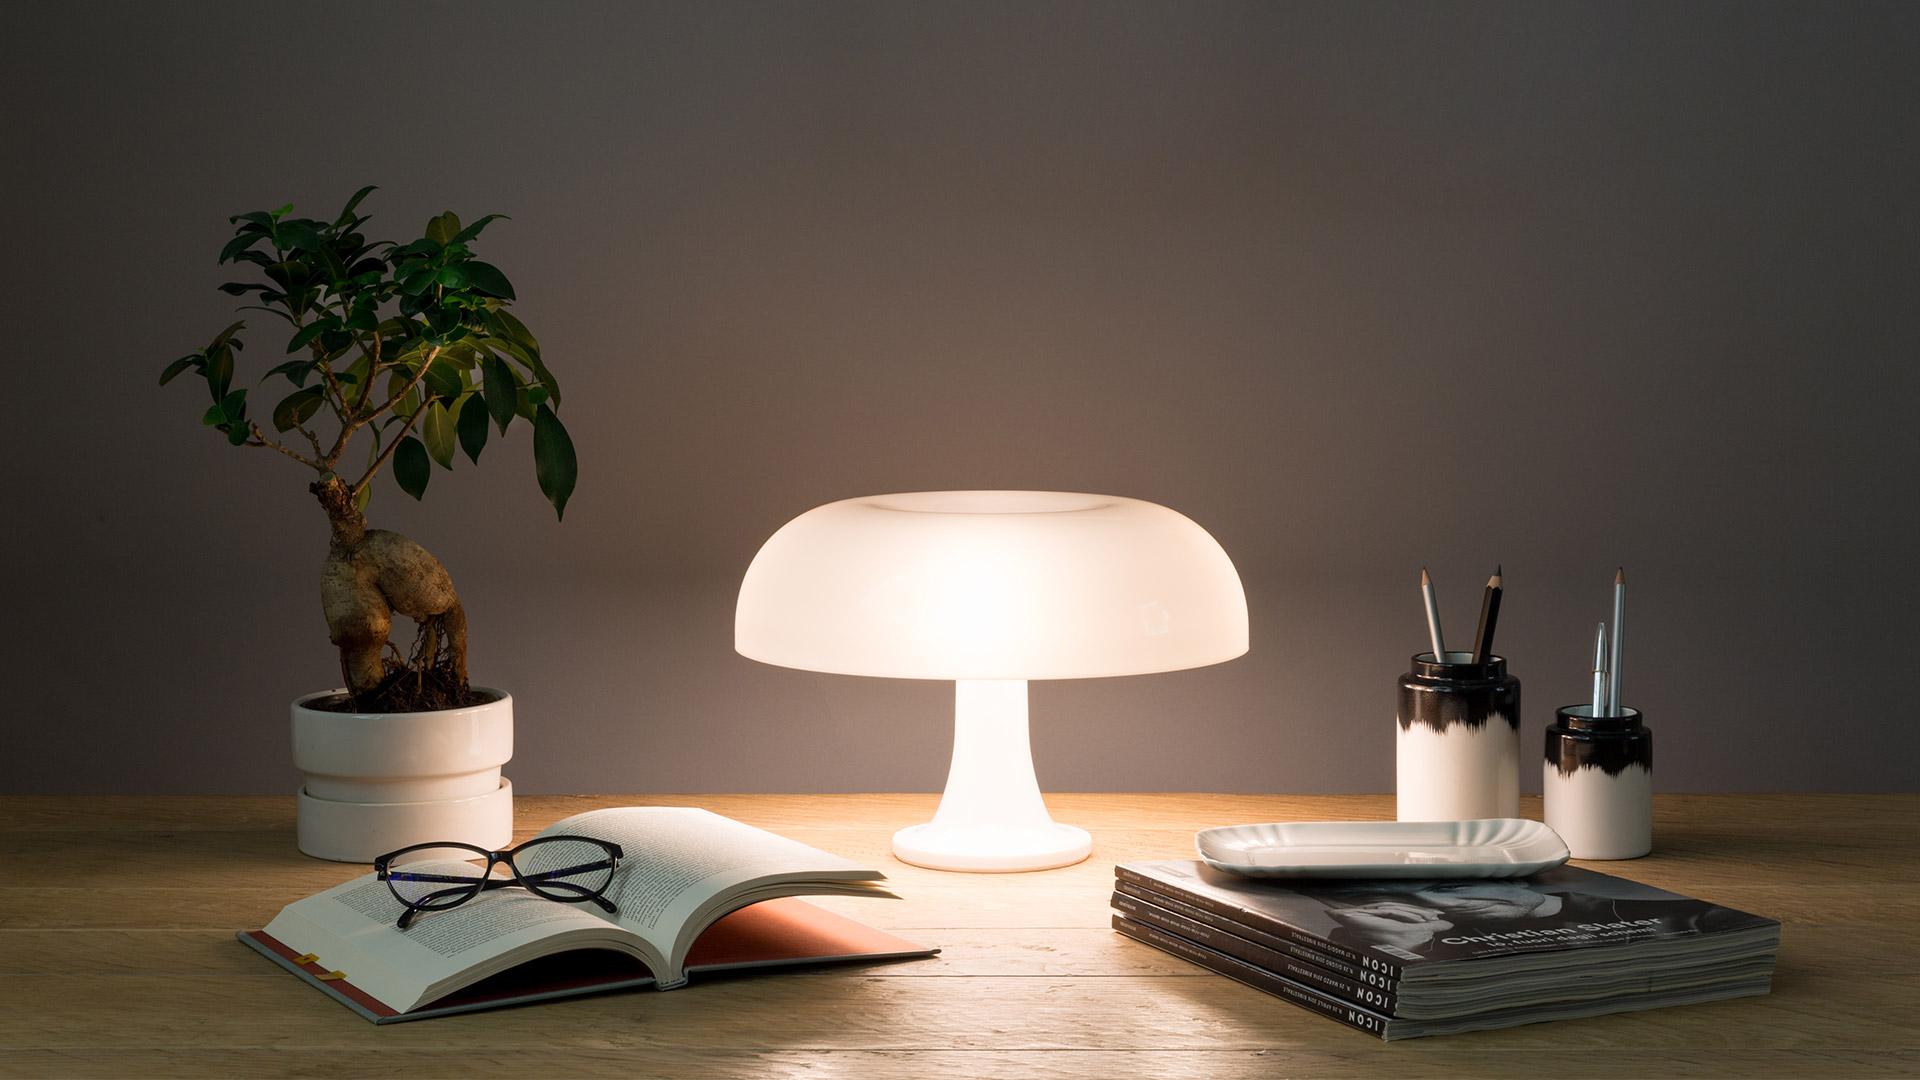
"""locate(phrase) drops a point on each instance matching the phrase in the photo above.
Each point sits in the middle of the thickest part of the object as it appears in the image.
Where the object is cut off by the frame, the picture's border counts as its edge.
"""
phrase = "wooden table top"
(117, 958)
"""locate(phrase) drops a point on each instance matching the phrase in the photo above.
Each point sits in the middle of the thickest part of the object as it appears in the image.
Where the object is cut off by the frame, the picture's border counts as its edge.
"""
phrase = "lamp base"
(991, 817)
(991, 849)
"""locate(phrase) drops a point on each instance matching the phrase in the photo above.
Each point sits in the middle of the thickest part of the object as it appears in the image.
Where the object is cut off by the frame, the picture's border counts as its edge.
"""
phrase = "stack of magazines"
(1401, 959)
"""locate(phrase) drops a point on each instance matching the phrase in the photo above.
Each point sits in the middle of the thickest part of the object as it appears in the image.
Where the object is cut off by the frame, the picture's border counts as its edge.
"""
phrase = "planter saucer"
(357, 831)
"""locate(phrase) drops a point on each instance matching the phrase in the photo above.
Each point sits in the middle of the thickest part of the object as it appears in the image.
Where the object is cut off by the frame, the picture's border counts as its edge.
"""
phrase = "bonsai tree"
(404, 349)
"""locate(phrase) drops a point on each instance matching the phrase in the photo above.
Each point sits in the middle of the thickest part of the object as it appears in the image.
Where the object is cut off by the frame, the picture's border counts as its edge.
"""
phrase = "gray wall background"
(1358, 288)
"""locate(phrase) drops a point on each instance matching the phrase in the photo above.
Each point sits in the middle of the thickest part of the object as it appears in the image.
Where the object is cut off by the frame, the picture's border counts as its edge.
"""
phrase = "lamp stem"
(991, 816)
(991, 780)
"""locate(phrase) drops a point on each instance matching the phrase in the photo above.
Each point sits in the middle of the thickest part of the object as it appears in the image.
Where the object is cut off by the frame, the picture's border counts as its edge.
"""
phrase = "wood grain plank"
(814, 1010)
(71, 857)
(128, 966)
(1408, 1061)
(1076, 951)
(956, 905)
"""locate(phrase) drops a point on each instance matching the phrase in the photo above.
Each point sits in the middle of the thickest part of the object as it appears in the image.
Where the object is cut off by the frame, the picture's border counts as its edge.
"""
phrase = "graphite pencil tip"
(1424, 579)
(1494, 581)
(1619, 575)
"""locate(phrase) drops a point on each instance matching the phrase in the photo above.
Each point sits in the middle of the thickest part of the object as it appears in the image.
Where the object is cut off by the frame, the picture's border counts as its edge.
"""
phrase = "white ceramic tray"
(1488, 848)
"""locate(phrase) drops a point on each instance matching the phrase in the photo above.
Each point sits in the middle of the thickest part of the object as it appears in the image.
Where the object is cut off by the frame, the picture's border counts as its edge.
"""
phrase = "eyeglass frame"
(384, 870)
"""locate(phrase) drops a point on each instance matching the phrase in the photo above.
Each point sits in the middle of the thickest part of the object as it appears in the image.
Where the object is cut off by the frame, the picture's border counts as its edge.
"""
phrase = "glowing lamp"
(991, 589)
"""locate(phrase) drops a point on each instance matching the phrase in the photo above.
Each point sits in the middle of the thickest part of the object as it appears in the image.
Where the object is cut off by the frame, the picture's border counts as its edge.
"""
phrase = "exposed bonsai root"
(370, 576)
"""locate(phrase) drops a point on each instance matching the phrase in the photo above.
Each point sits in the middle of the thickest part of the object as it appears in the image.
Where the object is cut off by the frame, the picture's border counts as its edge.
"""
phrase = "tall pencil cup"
(1598, 783)
(1458, 747)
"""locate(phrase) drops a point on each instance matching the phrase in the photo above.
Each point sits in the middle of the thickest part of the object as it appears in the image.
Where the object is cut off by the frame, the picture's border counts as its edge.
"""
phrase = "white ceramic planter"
(374, 782)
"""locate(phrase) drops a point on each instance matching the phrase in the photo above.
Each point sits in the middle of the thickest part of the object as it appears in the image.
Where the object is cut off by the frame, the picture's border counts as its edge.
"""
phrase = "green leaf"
(500, 388)
(309, 332)
(554, 464)
(213, 415)
(547, 380)
(417, 282)
(258, 217)
(411, 469)
(472, 424)
(346, 212)
(301, 235)
(529, 351)
(246, 238)
(237, 434)
(225, 335)
(511, 348)
(409, 402)
(485, 277)
(531, 360)
(181, 365)
(473, 230)
(443, 379)
(275, 312)
(361, 500)
(441, 230)
(234, 406)
(461, 353)
(336, 269)
(516, 330)
(453, 277)
(297, 408)
(296, 371)
(357, 372)
(219, 370)
(282, 212)
(436, 430)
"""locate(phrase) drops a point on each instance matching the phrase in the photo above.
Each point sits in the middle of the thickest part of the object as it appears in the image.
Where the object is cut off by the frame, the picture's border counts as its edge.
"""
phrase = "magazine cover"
(1417, 922)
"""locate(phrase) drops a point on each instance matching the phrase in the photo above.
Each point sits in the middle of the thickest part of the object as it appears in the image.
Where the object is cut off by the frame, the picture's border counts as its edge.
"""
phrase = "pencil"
(1433, 617)
(1599, 706)
(1489, 617)
(1619, 641)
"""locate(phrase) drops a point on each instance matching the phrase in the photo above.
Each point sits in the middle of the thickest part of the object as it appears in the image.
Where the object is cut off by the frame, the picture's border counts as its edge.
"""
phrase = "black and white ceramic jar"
(1598, 783)
(1458, 747)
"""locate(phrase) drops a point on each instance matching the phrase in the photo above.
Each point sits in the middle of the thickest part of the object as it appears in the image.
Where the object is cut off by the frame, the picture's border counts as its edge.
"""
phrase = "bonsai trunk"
(370, 576)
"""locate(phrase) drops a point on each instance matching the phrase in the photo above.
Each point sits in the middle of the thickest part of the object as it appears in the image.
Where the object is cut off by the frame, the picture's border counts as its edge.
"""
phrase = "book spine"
(1258, 921)
(1370, 976)
(1260, 956)
(1304, 996)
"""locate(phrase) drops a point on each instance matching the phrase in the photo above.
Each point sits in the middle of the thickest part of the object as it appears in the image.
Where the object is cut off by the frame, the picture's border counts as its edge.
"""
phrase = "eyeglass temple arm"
(548, 879)
(548, 876)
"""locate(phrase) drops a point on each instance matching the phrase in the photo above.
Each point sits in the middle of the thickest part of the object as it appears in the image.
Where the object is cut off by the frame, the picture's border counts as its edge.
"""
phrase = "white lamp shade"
(991, 585)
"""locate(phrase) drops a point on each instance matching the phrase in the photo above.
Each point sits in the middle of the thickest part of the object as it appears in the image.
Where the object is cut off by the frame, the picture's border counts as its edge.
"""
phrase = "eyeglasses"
(569, 869)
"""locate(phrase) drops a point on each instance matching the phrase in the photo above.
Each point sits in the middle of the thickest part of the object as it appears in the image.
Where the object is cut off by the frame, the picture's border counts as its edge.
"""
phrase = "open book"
(689, 892)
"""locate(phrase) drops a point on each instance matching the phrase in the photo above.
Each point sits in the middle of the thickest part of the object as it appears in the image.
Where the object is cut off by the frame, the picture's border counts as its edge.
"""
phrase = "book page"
(678, 860)
(352, 928)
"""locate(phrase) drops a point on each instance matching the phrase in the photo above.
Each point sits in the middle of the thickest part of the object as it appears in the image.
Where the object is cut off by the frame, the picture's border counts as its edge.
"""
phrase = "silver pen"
(1600, 671)
(1619, 641)
(1433, 617)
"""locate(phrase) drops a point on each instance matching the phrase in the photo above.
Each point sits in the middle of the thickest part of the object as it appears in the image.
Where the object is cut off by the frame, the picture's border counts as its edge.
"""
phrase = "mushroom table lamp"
(991, 589)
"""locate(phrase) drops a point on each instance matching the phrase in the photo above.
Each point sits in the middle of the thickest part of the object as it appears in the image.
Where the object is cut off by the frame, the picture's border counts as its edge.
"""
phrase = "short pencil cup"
(1457, 751)
(1597, 783)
